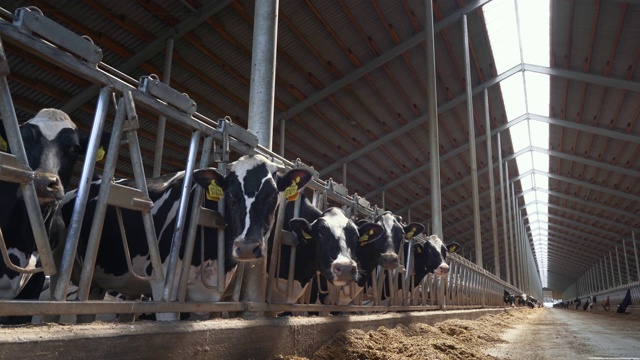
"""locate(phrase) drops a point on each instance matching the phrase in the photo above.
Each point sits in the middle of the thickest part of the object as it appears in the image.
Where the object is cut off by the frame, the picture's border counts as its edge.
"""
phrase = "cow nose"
(48, 186)
(389, 261)
(442, 270)
(344, 273)
(245, 251)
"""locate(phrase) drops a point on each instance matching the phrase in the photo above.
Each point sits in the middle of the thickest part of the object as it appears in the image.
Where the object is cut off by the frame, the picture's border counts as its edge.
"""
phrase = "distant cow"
(52, 144)
(625, 303)
(251, 193)
(509, 298)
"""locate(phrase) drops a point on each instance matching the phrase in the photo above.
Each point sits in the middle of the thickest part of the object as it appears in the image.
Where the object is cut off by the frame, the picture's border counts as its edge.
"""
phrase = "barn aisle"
(572, 334)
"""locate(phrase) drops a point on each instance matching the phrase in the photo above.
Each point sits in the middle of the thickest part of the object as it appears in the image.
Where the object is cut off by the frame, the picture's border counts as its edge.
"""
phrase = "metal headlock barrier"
(466, 286)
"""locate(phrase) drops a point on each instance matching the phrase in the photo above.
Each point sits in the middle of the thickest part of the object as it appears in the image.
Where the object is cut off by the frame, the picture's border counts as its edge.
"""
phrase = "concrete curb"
(213, 339)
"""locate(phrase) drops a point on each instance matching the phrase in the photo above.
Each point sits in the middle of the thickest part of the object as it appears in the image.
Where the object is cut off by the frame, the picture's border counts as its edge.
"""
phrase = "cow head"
(336, 238)
(252, 191)
(430, 256)
(394, 235)
(52, 144)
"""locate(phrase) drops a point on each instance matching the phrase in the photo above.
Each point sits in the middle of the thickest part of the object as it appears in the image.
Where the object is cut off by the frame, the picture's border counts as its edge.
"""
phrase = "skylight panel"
(513, 96)
(500, 17)
(538, 87)
(534, 31)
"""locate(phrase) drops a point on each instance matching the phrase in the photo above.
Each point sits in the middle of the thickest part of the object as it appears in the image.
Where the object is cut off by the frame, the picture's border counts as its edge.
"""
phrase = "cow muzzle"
(442, 270)
(343, 273)
(389, 261)
(48, 187)
(247, 250)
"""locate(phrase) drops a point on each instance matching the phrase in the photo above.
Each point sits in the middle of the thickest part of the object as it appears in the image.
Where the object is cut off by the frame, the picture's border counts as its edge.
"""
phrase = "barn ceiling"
(351, 87)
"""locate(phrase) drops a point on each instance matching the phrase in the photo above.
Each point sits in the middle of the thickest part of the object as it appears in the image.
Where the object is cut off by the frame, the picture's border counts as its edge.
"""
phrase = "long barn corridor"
(572, 334)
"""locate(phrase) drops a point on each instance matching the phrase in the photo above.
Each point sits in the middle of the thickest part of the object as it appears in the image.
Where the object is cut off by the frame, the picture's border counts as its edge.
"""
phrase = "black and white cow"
(394, 235)
(52, 144)
(429, 257)
(328, 246)
(383, 252)
(251, 191)
(509, 298)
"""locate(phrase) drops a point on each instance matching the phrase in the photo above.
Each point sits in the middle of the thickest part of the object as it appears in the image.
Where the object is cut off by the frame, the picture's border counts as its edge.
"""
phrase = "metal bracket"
(153, 86)
(31, 20)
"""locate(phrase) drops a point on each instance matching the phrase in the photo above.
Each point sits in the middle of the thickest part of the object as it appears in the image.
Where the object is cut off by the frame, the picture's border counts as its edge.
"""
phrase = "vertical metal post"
(261, 99)
(504, 213)
(602, 275)
(472, 145)
(635, 252)
(606, 271)
(492, 188)
(432, 109)
(73, 234)
(626, 261)
(613, 278)
(162, 120)
(193, 224)
(510, 220)
(176, 241)
(344, 175)
(515, 248)
(283, 128)
(619, 271)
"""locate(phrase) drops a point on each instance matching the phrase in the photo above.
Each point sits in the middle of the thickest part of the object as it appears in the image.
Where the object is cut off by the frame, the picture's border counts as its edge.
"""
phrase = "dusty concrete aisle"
(572, 334)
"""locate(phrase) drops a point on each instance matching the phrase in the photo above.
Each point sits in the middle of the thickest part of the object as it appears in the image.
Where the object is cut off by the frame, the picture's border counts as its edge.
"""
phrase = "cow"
(328, 245)
(426, 255)
(622, 307)
(53, 144)
(251, 191)
(382, 252)
(509, 298)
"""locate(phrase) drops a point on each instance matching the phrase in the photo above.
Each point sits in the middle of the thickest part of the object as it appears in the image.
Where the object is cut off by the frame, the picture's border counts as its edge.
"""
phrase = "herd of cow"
(591, 301)
(342, 250)
(524, 299)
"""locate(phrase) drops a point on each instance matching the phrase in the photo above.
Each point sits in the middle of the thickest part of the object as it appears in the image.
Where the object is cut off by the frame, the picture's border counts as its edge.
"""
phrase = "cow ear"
(209, 176)
(412, 230)
(296, 177)
(361, 222)
(301, 228)
(453, 247)
(105, 138)
(369, 232)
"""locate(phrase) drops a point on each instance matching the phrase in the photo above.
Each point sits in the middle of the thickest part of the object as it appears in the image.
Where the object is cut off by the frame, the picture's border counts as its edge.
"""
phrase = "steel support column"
(504, 214)
(260, 118)
(432, 113)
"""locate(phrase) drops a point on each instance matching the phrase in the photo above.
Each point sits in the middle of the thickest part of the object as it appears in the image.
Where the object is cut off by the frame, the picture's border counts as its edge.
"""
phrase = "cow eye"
(74, 149)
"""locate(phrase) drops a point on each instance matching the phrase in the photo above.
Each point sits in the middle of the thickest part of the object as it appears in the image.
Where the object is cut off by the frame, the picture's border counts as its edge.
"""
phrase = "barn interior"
(352, 99)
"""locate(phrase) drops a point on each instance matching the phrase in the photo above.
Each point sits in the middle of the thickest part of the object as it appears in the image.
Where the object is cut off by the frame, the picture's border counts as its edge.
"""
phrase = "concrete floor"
(572, 334)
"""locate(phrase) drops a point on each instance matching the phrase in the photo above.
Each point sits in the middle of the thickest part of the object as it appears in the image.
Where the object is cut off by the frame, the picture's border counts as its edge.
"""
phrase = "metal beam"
(153, 48)
(581, 76)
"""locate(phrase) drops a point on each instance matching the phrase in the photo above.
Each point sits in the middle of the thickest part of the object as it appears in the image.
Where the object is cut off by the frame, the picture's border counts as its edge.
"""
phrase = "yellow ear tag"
(419, 250)
(409, 235)
(453, 249)
(364, 238)
(291, 193)
(305, 236)
(3, 145)
(214, 192)
(100, 154)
